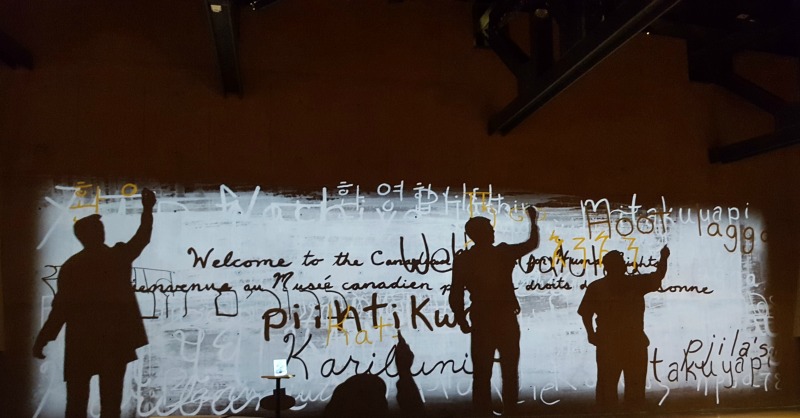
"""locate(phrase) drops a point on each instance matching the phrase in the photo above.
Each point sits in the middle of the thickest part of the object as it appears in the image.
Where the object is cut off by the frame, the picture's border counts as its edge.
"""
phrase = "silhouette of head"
(480, 230)
(362, 395)
(614, 262)
(90, 231)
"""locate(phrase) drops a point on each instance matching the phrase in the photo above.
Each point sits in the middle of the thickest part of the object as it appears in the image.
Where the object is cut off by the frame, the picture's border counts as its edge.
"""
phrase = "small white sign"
(279, 367)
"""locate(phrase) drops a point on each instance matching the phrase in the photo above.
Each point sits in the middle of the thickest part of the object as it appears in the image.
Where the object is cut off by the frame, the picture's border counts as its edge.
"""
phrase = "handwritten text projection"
(236, 277)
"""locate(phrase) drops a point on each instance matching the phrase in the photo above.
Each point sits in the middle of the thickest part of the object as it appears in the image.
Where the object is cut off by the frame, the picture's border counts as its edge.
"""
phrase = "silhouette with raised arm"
(484, 271)
(408, 396)
(96, 304)
(615, 303)
(364, 395)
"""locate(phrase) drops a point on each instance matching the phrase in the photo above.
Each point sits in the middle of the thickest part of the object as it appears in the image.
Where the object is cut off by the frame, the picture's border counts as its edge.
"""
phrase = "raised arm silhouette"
(613, 314)
(96, 304)
(364, 395)
(484, 271)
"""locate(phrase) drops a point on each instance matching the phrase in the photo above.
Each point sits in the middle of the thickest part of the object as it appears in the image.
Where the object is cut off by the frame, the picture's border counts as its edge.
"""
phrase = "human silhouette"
(485, 271)
(96, 304)
(408, 397)
(364, 395)
(616, 304)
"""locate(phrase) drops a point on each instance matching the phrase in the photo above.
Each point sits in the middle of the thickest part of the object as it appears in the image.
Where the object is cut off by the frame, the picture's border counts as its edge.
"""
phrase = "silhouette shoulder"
(508, 250)
(76, 260)
(464, 255)
(71, 260)
(596, 285)
(68, 266)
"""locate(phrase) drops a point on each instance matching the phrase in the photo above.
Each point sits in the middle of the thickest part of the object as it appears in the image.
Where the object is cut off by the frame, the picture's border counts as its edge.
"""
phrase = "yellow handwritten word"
(579, 246)
(381, 325)
(80, 189)
(129, 189)
(333, 325)
(604, 237)
(362, 336)
(631, 247)
(519, 218)
(558, 256)
(513, 216)
(81, 192)
(484, 206)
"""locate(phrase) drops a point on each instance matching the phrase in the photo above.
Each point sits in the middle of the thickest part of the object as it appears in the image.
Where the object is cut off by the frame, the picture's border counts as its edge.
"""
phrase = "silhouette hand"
(148, 199)
(593, 339)
(664, 252)
(532, 214)
(404, 357)
(38, 351)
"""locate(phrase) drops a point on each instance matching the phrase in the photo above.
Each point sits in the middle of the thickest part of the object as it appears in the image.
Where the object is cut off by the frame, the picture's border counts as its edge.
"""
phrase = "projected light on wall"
(234, 278)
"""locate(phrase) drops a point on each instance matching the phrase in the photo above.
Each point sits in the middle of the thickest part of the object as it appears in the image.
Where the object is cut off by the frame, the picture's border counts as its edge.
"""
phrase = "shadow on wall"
(364, 395)
(96, 304)
(485, 271)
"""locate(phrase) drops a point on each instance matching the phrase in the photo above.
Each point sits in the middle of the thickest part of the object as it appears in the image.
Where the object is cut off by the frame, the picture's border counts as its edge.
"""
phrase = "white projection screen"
(236, 277)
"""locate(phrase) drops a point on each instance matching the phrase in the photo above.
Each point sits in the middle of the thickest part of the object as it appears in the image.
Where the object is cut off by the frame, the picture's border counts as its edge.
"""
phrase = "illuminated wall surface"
(236, 277)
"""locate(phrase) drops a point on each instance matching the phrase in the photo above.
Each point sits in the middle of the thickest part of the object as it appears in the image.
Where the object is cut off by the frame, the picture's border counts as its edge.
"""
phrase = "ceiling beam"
(223, 19)
(752, 147)
(627, 20)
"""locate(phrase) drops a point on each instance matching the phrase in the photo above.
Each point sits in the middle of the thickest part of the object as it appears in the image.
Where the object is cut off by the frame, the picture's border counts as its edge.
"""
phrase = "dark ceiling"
(565, 39)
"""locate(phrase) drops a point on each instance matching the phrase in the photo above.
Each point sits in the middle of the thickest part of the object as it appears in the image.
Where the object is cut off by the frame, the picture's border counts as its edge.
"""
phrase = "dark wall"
(368, 92)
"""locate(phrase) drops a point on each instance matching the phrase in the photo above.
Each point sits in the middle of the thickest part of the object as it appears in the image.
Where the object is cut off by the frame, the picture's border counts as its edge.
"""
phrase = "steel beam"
(755, 146)
(753, 93)
(541, 39)
(499, 39)
(223, 18)
(629, 18)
